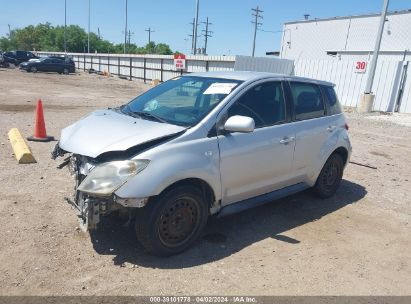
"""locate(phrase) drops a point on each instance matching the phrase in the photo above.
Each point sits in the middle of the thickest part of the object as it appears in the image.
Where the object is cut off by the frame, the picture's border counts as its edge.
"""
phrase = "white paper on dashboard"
(220, 88)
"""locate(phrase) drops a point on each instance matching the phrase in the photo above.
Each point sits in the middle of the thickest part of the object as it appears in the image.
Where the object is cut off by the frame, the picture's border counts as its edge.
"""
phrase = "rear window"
(308, 101)
(332, 99)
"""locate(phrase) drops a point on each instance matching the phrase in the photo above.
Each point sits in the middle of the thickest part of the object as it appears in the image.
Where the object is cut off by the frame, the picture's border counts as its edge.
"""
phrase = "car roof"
(252, 76)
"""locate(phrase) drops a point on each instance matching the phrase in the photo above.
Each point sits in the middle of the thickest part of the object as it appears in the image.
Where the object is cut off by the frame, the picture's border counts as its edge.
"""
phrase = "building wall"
(350, 84)
(366, 56)
(313, 38)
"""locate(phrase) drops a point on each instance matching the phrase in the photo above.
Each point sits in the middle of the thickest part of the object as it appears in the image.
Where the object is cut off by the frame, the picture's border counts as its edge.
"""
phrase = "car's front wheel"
(66, 71)
(172, 221)
(33, 69)
(330, 176)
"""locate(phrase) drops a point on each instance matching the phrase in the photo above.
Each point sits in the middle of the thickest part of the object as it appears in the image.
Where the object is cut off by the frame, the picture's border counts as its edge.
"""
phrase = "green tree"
(163, 49)
(45, 37)
(150, 48)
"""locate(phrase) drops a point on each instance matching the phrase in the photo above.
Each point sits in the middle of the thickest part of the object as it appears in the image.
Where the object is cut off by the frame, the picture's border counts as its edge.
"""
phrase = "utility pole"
(149, 30)
(125, 28)
(367, 99)
(88, 34)
(129, 34)
(98, 30)
(207, 34)
(9, 31)
(195, 28)
(65, 26)
(192, 35)
(373, 64)
(257, 16)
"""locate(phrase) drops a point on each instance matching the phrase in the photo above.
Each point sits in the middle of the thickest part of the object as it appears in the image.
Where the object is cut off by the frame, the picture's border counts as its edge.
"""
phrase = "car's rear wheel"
(330, 176)
(33, 69)
(66, 71)
(172, 221)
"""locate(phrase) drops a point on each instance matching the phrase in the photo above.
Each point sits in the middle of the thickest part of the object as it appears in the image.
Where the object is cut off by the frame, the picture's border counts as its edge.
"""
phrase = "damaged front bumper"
(90, 208)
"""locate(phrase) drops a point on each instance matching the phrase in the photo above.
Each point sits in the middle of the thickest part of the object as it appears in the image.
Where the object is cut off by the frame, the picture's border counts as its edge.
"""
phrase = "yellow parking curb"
(20, 148)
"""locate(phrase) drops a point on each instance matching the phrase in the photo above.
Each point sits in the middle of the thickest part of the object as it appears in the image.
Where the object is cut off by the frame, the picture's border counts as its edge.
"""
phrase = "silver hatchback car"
(205, 144)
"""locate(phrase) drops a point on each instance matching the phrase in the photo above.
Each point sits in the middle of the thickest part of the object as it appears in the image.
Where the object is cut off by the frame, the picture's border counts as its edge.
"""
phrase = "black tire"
(330, 176)
(171, 222)
(33, 69)
(66, 71)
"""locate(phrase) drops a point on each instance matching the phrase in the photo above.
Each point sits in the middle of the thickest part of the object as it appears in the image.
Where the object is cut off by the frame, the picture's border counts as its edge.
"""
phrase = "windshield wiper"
(150, 115)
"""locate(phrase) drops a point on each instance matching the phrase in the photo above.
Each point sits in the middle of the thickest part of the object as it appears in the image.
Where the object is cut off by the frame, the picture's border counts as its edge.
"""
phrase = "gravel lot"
(356, 243)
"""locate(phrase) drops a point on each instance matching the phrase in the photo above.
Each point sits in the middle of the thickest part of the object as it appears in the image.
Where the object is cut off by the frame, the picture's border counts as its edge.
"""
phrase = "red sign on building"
(360, 66)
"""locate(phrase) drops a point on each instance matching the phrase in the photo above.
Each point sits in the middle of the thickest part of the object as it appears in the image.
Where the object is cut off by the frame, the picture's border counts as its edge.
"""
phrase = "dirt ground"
(356, 243)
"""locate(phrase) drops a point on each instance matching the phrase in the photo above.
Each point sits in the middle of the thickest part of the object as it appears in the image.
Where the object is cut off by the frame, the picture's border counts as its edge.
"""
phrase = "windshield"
(181, 101)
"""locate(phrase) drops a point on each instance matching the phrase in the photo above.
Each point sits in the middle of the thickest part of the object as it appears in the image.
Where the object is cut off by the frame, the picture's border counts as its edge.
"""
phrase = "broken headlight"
(106, 178)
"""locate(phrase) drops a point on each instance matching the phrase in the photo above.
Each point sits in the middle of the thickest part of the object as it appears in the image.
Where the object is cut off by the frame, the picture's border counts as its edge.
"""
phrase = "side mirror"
(239, 123)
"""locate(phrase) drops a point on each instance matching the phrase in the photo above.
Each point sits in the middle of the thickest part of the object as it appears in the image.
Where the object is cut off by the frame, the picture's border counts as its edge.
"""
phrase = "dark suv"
(17, 57)
(49, 64)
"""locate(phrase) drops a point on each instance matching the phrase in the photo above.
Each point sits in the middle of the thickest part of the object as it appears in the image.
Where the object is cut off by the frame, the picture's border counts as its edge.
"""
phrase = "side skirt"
(261, 199)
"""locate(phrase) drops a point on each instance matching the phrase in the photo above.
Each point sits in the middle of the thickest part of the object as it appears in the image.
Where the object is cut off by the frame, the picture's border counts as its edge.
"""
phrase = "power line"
(207, 34)
(149, 30)
(274, 32)
(256, 13)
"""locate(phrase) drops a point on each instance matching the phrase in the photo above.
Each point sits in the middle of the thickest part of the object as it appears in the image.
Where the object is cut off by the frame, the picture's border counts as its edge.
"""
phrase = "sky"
(231, 19)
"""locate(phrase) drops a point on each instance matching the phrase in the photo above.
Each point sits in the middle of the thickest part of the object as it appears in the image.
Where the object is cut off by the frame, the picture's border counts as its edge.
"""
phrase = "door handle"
(287, 140)
(331, 128)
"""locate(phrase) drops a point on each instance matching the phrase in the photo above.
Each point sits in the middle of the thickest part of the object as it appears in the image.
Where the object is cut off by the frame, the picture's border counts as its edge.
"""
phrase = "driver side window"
(264, 103)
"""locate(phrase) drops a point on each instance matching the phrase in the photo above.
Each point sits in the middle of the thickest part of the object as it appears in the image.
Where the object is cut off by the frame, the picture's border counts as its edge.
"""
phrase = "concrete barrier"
(20, 148)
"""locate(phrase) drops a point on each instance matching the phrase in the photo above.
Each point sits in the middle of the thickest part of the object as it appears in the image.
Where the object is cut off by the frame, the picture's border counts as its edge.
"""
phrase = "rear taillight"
(346, 126)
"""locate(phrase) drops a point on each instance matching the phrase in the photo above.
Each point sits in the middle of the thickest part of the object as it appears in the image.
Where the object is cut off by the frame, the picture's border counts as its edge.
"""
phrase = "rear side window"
(332, 99)
(308, 102)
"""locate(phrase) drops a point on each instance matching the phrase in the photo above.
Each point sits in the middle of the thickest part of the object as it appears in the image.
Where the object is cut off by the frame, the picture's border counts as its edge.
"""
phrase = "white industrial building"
(350, 38)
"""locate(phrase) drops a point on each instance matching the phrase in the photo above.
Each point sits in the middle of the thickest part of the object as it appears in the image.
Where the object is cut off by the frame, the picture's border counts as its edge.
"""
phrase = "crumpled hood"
(107, 130)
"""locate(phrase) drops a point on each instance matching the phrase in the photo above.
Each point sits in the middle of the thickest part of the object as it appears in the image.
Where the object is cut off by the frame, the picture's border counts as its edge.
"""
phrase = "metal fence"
(147, 67)
(391, 84)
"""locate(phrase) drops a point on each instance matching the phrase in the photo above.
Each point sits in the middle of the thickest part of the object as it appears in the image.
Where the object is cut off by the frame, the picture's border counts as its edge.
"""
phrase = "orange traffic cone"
(40, 127)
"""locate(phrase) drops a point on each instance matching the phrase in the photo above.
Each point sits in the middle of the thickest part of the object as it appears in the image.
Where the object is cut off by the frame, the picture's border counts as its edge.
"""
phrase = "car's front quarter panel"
(187, 157)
